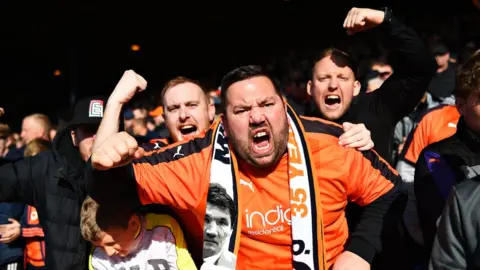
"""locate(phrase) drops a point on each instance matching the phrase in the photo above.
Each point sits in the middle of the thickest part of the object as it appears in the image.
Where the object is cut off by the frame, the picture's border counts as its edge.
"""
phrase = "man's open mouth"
(188, 130)
(332, 101)
(261, 141)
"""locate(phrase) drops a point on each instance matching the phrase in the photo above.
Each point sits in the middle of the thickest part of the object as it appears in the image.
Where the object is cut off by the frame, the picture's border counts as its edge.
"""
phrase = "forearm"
(410, 53)
(376, 220)
(110, 185)
(110, 123)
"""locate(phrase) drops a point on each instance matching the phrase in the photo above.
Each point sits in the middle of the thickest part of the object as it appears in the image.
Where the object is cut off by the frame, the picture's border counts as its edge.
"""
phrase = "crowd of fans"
(405, 99)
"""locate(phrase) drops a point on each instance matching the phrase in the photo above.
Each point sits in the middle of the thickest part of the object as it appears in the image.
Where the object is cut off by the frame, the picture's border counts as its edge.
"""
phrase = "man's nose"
(211, 229)
(183, 114)
(257, 116)
(333, 84)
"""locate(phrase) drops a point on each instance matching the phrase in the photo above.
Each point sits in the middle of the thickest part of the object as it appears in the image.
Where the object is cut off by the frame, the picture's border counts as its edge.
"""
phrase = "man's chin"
(207, 253)
(262, 161)
(332, 115)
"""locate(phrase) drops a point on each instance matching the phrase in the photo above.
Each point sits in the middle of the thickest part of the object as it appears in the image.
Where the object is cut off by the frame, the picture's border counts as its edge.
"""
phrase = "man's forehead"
(329, 63)
(217, 212)
(185, 92)
(252, 100)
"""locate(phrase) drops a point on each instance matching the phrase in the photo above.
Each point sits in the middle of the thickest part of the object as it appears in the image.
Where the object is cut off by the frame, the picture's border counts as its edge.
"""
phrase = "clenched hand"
(127, 87)
(117, 150)
(356, 136)
(361, 19)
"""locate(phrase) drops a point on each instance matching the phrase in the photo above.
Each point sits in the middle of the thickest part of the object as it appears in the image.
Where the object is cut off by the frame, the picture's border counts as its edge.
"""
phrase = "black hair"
(244, 73)
(217, 196)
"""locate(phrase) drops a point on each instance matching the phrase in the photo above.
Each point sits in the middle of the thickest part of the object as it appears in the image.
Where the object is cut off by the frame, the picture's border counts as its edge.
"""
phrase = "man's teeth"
(333, 97)
(187, 127)
(260, 134)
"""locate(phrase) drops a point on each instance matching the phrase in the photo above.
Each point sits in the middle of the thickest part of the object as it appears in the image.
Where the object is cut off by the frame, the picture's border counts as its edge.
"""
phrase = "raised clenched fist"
(127, 87)
(361, 19)
(117, 150)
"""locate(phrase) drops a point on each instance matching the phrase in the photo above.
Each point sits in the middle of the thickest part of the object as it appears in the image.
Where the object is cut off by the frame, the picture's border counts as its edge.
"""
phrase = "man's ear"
(211, 111)
(225, 124)
(134, 223)
(461, 105)
(309, 87)
(356, 88)
(74, 138)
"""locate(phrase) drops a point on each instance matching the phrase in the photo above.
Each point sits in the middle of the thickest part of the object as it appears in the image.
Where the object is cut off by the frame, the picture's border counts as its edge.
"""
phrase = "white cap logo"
(96, 108)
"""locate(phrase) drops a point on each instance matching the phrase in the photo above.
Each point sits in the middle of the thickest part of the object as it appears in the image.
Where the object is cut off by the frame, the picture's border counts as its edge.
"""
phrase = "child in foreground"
(125, 239)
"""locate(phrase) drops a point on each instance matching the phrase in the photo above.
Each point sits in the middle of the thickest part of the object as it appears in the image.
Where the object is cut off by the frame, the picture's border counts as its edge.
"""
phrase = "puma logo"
(179, 148)
(157, 146)
(248, 184)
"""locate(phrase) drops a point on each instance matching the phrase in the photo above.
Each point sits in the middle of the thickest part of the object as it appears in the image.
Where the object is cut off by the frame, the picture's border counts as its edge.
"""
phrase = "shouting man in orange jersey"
(289, 178)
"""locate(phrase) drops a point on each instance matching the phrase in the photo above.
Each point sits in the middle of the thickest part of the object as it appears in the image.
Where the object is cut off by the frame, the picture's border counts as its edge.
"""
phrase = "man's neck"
(213, 259)
(442, 69)
(142, 131)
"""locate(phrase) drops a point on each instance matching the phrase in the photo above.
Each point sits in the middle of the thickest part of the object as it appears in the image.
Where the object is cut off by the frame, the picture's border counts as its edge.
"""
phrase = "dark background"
(90, 41)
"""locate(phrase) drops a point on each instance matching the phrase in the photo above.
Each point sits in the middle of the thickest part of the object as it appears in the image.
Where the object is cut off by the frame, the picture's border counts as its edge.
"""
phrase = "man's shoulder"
(468, 189)
(155, 144)
(178, 150)
(450, 145)
(320, 126)
(433, 115)
(158, 220)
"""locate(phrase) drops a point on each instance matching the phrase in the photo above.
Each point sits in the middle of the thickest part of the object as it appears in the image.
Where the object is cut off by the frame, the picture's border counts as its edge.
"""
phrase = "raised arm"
(413, 69)
(176, 175)
(129, 84)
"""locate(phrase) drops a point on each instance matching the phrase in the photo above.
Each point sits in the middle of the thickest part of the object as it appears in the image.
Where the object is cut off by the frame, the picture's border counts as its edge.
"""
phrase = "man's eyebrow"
(241, 106)
(267, 99)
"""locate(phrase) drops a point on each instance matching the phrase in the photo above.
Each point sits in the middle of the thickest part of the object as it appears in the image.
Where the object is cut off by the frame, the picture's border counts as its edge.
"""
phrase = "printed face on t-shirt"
(217, 229)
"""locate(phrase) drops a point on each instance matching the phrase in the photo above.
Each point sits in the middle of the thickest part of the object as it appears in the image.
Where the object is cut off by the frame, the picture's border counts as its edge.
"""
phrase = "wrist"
(113, 101)
(388, 14)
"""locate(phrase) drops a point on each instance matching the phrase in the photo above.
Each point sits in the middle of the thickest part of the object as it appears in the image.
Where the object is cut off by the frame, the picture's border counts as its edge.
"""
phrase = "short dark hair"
(468, 77)
(96, 218)
(340, 57)
(244, 73)
(217, 196)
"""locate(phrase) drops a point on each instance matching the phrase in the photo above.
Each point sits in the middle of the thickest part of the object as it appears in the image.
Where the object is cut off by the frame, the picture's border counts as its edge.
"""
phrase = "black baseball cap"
(439, 49)
(88, 111)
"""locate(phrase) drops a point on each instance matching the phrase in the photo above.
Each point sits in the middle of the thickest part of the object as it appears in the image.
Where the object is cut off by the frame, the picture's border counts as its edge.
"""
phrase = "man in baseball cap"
(52, 182)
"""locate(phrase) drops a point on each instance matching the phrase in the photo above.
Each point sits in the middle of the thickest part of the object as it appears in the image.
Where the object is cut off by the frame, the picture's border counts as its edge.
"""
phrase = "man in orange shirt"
(187, 113)
(435, 125)
(271, 202)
